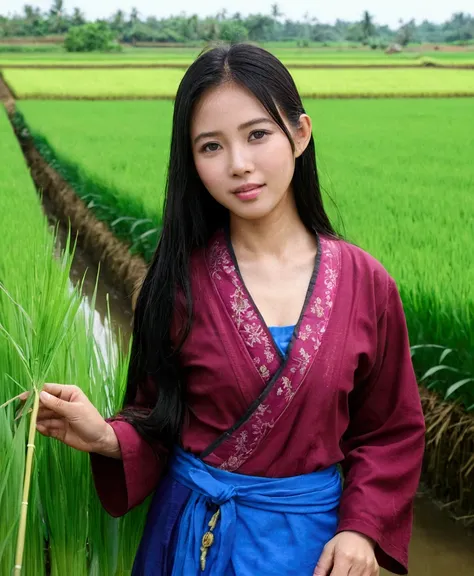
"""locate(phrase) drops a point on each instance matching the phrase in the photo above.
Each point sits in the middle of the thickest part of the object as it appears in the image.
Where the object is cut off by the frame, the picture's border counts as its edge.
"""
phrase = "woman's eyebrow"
(255, 121)
(241, 127)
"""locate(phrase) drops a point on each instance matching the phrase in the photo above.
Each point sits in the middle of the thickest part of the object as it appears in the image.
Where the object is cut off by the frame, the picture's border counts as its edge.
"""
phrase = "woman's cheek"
(205, 170)
(279, 162)
(211, 176)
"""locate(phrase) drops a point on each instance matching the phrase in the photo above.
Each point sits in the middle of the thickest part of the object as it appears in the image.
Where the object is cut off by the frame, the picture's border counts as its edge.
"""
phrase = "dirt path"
(6, 97)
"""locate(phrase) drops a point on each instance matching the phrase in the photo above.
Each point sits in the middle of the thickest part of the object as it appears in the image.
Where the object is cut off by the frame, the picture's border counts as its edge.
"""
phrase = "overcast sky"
(385, 11)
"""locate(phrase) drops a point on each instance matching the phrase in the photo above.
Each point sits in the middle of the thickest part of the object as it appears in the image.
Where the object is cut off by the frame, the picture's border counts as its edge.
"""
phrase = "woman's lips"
(250, 194)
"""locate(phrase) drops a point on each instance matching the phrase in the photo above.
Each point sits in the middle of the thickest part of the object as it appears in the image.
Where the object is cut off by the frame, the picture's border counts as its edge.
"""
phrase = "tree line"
(272, 27)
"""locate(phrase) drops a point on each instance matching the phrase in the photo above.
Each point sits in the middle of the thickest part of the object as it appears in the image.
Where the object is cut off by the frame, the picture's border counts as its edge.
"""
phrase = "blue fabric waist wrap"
(265, 525)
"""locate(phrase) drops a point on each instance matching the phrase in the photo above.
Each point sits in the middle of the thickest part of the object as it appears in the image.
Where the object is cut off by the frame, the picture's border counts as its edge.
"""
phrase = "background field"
(148, 83)
(289, 55)
(400, 172)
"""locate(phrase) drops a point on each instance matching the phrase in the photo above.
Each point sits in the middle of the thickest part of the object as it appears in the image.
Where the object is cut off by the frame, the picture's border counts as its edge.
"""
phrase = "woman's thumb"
(55, 404)
(325, 562)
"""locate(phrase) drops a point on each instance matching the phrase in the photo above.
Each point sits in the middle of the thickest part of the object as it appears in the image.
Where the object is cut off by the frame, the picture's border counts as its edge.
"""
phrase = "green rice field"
(150, 83)
(400, 172)
(46, 335)
(289, 55)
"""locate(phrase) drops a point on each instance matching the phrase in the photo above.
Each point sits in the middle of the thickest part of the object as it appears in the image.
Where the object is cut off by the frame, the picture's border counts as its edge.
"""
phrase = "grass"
(399, 171)
(47, 335)
(146, 83)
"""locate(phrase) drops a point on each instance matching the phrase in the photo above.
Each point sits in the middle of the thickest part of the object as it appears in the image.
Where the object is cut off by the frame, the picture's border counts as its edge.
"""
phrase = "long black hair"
(190, 217)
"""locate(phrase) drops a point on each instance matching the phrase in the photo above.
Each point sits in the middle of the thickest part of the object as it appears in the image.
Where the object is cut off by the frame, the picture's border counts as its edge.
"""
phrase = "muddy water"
(439, 546)
(108, 297)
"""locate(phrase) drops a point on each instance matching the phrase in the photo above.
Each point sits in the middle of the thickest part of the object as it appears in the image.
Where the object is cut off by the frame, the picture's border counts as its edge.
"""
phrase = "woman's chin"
(256, 211)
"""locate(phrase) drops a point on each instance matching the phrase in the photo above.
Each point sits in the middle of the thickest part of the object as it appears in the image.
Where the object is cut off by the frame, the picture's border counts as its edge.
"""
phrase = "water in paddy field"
(108, 298)
(439, 546)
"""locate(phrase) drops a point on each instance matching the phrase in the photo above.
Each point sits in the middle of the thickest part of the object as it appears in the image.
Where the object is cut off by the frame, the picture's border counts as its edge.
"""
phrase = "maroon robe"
(345, 393)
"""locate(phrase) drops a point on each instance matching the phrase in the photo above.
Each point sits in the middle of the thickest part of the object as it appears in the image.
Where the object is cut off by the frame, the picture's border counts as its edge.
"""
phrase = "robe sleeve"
(384, 444)
(123, 484)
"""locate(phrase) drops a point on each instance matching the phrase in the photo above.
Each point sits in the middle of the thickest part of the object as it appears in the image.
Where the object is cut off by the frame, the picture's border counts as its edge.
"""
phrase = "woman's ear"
(302, 134)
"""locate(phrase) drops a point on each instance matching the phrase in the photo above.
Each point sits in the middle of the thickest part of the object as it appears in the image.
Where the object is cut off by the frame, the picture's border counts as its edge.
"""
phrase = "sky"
(384, 11)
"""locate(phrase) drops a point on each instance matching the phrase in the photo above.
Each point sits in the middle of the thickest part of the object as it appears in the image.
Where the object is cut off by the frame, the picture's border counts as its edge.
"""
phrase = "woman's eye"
(211, 147)
(258, 134)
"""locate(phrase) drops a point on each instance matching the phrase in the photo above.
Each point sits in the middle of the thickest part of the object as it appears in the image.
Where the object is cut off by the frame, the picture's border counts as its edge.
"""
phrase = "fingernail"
(45, 396)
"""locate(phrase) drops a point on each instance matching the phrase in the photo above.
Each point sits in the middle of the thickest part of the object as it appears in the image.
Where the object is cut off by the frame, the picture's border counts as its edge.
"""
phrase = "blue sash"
(264, 525)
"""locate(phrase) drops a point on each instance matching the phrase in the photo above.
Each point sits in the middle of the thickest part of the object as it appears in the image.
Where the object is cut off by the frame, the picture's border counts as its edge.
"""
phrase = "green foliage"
(94, 37)
(406, 33)
(233, 31)
(367, 27)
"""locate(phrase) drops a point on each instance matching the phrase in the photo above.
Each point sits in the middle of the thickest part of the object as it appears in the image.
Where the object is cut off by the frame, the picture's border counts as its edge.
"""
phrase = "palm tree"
(276, 12)
(118, 21)
(28, 11)
(77, 17)
(57, 8)
(367, 25)
(134, 16)
(56, 17)
(222, 15)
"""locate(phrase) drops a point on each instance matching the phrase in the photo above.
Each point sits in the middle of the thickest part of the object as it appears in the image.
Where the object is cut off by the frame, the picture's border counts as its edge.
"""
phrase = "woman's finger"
(341, 567)
(57, 405)
(50, 432)
(45, 414)
(62, 391)
(51, 424)
(359, 569)
(326, 561)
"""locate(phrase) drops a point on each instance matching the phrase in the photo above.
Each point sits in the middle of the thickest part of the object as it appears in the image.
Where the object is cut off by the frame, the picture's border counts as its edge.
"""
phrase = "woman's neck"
(278, 234)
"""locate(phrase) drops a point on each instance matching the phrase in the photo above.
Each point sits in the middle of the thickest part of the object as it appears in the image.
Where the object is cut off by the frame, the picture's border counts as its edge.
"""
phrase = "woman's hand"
(65, 413)
(348, 553)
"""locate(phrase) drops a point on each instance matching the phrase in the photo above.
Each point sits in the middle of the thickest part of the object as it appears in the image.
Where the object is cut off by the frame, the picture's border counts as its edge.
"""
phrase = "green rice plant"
(398, 171)
(36, 337)
(435, 375)
(47, 334)
(156, 83)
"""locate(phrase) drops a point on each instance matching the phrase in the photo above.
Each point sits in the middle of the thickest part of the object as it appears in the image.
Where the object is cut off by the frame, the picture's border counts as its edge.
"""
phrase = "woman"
(266, 351)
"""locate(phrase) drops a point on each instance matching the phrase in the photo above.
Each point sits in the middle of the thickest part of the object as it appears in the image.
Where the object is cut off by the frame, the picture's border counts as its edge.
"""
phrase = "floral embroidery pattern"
(286, 388)
(243, 313)
(240, 446)
(261, 425)
(305, 332)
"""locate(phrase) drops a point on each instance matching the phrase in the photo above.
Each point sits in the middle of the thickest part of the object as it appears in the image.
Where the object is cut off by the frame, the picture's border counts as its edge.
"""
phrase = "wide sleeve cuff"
(123, 484)
(388, 556)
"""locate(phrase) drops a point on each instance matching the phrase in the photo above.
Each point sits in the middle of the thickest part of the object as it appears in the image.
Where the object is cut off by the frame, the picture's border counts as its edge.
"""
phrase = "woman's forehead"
(227, 104)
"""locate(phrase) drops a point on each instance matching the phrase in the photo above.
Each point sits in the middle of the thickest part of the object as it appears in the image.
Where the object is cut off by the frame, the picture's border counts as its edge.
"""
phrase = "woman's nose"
(240, 162)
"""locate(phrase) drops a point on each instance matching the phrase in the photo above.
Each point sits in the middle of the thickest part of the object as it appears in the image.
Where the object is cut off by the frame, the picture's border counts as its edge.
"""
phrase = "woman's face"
(242, 156)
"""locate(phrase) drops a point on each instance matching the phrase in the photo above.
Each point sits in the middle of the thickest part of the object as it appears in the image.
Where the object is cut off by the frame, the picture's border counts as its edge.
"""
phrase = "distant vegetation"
(272, 27)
